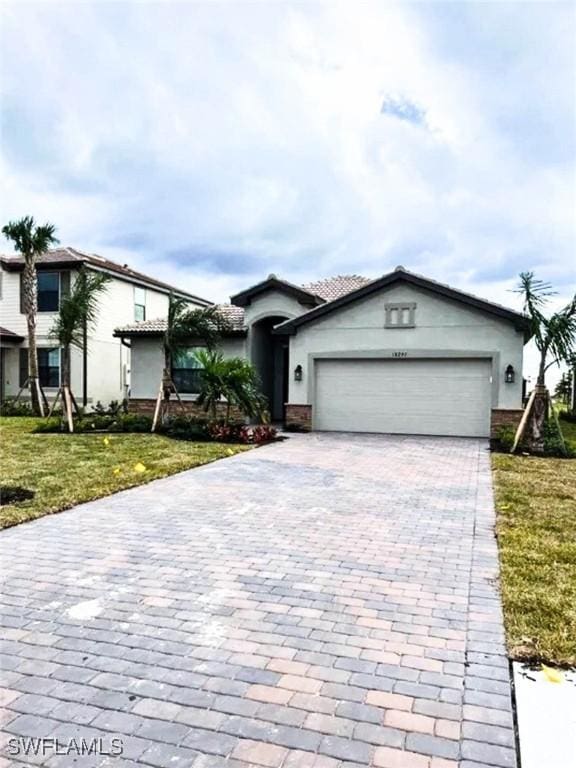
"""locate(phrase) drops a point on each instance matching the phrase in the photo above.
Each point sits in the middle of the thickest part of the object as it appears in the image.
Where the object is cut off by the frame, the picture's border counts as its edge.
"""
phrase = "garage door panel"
(429, 397)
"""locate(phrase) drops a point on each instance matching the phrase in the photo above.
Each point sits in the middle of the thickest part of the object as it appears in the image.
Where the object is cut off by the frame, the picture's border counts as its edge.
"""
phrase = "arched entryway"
(269, 355)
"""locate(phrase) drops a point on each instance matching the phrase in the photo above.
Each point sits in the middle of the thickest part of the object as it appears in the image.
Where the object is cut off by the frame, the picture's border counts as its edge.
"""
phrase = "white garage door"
(411, 397)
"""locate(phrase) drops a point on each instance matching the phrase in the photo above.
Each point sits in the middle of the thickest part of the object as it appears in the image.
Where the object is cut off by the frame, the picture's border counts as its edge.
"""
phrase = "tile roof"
(10, 335)
(275, 283)
(70, 256)
(333, 287)
(234, 315)
(328, 289)
(519, 319)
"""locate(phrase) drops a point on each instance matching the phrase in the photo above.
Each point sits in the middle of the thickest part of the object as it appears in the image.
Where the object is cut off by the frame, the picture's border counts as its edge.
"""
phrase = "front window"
(139, 304)
(49, 367)
(48, 291)
(187, 371)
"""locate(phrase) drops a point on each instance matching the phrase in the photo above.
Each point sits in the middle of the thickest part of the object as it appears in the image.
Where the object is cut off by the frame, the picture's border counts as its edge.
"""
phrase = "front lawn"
(536, 501)
(63, 470)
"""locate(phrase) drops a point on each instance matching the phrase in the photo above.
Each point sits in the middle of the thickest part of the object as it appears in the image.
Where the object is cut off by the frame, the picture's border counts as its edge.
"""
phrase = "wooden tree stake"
(68, 409)
(523, 422)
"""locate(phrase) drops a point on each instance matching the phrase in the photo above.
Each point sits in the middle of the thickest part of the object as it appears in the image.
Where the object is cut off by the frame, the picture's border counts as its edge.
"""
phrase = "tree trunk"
(167, 375)
(541, 380)
(534, 435)
(67, 397)
(30, 294)
(65, 382)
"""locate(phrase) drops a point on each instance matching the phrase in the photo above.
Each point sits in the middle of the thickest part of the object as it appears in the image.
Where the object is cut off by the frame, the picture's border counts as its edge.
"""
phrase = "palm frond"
(561, 332)
(232, 380)
(535, 294)
(28, 239)
(186, 325)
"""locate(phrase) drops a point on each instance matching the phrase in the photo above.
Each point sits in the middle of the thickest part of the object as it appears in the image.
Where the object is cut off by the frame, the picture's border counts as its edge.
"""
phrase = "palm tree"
(213, 385)
(31, 241)
(183, 326)
(232, 380)
(242, 388)
(78, 312)
(555, 339)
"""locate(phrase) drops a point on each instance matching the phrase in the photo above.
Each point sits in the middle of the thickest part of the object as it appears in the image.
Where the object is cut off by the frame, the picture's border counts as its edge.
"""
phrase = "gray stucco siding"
(272, 303)
(443, 328)
(148, 360)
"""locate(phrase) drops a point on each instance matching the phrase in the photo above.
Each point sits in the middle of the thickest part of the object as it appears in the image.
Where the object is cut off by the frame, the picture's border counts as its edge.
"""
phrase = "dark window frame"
(139, 306)
(187, 379)
(48, 375)
(41, 293)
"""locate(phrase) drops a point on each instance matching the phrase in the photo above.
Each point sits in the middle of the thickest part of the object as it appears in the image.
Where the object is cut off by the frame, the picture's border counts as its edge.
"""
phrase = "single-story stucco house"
(400, 354)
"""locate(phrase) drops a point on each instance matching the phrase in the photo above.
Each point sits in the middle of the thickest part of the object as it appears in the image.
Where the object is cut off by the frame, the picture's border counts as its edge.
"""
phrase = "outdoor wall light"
(509, 375)
(298, 373)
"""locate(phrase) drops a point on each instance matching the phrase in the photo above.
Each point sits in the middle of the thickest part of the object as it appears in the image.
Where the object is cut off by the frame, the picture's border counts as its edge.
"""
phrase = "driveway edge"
(488, 735)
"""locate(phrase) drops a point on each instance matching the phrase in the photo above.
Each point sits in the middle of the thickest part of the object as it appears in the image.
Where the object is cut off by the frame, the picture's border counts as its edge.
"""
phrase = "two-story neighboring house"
(103, 372)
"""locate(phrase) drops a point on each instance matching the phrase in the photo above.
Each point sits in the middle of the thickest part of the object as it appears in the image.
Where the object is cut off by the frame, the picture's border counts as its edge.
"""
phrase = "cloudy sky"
(213, 143)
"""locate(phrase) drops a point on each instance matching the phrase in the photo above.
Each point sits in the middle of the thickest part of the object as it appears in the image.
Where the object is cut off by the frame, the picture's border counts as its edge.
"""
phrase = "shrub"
(131, 422)
(99, 410)
(53, 424)
(505, 438)
(554, 444)
(568, 416)
(10, 407)
(264, 434)
(114, 408)
(186, 428)
(178, 428)
(229, 433)
(94, 423)
(240, 433)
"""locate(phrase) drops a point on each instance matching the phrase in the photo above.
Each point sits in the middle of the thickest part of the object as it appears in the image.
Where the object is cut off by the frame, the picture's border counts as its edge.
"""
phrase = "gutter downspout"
(128, 345)
(85, 365)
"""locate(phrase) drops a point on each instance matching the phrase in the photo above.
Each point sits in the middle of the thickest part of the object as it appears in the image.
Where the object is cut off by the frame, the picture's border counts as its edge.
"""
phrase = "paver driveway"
(327, 601)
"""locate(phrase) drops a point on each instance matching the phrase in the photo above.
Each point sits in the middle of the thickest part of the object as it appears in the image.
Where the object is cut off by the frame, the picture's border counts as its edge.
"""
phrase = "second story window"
(48, 291)
(139, 304)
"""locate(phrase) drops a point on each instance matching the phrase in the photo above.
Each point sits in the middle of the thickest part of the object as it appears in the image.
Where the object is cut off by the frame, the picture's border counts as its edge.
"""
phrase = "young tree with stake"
(555, 339)
(78, 312)
(32, 242)
(184, 325)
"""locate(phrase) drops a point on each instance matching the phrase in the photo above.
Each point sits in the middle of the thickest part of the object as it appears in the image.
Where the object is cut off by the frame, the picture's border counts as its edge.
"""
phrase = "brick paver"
(325, 602)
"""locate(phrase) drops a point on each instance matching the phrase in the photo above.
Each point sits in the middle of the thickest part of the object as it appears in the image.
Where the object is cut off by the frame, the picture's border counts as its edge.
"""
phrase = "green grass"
(536, 501)
(64, 470)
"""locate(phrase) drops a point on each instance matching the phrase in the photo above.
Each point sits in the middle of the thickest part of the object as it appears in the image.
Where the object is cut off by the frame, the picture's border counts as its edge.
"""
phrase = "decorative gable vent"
(400, 315)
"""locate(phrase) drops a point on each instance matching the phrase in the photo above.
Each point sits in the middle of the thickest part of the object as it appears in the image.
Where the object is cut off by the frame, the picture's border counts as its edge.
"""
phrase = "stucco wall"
(12, 372)
(147, 363)
(272, 303)
(441, 326)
